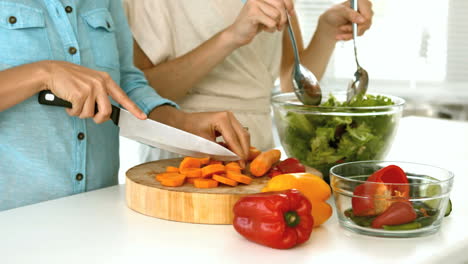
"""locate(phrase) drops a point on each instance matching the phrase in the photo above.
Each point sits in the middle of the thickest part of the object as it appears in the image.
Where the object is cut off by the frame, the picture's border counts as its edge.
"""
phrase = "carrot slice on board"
(215, 162)
(233, 166)
(204, 161)
(172, 169)
(224, 180)
(263, 162)
(189, 162)
(205, 183)
(212, 169)
(160, 176)
(192, 172)
(191, 180)
(174, 180)
(239, 177)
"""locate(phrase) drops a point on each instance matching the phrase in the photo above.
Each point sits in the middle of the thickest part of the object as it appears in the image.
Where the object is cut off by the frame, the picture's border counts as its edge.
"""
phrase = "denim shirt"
(45, 153)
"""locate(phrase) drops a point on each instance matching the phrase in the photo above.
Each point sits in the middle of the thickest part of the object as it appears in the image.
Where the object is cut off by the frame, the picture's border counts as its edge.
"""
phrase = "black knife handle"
(46, 97)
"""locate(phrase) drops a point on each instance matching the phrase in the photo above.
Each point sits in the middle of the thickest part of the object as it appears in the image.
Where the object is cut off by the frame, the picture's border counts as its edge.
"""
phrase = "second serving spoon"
(361, 78)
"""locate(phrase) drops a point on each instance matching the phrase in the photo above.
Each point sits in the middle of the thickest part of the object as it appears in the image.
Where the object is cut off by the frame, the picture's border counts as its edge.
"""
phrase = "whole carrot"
(263, 162)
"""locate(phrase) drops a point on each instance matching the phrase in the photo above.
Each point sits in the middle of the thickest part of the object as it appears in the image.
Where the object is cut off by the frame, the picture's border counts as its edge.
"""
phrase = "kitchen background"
(416, 49)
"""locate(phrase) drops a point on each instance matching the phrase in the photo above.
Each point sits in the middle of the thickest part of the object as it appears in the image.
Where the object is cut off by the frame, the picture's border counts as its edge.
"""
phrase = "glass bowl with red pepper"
(337, 131)
(391, 199)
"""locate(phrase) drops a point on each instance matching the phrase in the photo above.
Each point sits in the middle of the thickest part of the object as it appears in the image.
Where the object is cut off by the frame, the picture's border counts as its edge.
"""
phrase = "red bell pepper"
(274, 219)
(397, 214)
(289, 165)
(382, 188)
(275, 171)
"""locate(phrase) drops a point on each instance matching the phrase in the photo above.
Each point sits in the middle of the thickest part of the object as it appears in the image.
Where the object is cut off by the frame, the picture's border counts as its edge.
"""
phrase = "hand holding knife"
(155, 134)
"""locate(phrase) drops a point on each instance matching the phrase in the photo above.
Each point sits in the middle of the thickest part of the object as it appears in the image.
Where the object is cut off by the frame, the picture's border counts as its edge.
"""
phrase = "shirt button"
(12, 20)
(72, 50)
(81, 136)
(79, 177)
(68, 9)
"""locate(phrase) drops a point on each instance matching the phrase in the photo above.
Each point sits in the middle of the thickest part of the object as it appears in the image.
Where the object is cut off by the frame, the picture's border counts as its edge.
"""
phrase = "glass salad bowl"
(391, 199)
(336, 131)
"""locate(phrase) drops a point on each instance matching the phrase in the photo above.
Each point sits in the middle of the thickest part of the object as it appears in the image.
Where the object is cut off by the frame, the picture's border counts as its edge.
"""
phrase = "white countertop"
(97, 227)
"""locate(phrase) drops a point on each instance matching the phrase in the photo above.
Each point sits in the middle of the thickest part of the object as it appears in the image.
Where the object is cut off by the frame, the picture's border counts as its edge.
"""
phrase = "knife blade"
(154, 133)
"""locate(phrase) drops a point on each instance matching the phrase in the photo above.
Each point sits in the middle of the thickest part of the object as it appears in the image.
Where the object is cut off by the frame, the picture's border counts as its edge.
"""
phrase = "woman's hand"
(84, 88)
(258, 15)
(336, 21)
(208, 125)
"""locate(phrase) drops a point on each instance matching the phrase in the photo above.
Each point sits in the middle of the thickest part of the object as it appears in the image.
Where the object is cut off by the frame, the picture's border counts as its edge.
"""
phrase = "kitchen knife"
(155, 134)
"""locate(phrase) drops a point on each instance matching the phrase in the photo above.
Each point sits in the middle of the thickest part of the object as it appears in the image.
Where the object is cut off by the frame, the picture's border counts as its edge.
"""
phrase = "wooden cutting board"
(185, 203)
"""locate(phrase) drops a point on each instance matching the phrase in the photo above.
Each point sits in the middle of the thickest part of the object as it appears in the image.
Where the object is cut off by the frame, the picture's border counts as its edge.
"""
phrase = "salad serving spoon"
(306, 86)
(361, 78)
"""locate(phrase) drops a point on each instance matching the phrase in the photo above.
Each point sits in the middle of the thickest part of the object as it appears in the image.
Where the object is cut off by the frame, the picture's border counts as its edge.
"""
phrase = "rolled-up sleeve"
(132, 80)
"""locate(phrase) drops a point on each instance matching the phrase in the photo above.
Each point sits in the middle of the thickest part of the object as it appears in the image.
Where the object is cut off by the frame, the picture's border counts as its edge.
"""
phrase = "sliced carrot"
(224, 180)
(172, 169)
(160, 176)
(204, 161)
(212, 169)
(212, 162)
(263, 162)
(205, 183)
(191, 180)
(232, 165)
(174, 180)
(239, 177)
(189, 162)
(192, 172)
(253, 153)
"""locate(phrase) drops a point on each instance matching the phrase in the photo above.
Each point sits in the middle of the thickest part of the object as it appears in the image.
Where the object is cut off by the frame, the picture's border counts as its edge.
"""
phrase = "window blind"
(417, 40)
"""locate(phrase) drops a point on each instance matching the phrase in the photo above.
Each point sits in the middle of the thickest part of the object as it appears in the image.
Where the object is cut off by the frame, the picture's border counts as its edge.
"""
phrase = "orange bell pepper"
(311, 186)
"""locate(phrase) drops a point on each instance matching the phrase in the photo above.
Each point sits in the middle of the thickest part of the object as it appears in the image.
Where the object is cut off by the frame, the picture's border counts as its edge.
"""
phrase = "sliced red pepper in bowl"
(398, 213)
(381, 189)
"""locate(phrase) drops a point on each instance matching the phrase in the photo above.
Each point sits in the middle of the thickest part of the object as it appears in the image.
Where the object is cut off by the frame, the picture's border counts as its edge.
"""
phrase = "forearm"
(19, 83)
(173, 79)
(168, 115)
(317, 55)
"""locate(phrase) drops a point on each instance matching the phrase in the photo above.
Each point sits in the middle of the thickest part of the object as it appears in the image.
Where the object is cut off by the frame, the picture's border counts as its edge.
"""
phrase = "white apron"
(242, 83)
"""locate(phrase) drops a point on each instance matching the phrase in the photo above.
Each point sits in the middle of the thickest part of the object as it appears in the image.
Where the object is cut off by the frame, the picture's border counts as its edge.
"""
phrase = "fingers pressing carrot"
(253, 153)
(263, 162)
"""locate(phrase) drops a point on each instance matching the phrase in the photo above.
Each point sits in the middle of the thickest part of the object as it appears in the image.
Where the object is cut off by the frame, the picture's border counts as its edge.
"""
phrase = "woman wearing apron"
(226, 54)
(82, 52)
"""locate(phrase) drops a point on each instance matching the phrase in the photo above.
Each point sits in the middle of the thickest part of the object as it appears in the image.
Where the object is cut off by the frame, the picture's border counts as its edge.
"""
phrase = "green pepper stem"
(292, 218)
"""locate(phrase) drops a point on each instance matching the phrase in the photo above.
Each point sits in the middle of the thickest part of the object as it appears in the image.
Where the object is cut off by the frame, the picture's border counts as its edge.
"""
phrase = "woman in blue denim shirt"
(82, 51)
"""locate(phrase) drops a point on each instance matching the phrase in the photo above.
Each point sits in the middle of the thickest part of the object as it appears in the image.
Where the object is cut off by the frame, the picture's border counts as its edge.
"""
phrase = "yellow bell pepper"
(311, 186)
